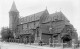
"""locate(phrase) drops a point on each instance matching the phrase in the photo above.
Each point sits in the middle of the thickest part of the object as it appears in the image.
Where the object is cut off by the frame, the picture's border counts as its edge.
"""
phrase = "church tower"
(13, 17)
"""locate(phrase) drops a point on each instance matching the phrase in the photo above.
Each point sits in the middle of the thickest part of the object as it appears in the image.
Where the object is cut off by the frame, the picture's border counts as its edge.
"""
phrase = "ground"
(4, 45)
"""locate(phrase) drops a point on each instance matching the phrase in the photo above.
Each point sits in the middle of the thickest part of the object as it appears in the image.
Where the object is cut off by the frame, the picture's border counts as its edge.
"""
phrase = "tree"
(6, 33)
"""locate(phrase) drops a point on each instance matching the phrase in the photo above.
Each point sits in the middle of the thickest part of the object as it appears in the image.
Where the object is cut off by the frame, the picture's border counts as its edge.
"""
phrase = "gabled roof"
(44, 28)
(44, 16)
(33, 17)
(13, 8)
(56, 29)
(58, 16)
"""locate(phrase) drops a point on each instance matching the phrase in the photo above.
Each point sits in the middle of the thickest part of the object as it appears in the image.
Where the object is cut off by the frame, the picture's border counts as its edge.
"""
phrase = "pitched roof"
(31, 18)
(57, 27)
(13, 8)
(58, 16)
(44, 28)
(44, 16)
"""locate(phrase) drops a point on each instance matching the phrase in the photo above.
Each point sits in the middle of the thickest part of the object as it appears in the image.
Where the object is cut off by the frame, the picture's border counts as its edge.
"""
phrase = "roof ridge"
(33, 14)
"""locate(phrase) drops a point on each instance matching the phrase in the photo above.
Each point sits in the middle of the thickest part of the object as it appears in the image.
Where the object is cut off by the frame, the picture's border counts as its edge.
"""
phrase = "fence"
(42, 44)
(17, 40)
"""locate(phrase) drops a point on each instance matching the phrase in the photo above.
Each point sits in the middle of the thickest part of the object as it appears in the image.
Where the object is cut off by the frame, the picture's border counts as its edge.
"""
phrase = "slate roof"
(13, 8)
(44, 17)
(58, 16)
(57, 28)
(44, 28)
(31, 18)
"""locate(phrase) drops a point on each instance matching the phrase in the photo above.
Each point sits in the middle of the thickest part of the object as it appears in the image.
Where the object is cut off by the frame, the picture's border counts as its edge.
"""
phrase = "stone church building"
(42, 26)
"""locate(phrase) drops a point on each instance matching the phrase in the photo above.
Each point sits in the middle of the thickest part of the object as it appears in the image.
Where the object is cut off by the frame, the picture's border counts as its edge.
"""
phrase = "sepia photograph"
(39, 24)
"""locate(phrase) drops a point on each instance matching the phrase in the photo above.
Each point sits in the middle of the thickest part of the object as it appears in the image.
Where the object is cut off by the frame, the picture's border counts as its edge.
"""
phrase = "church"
(42, 26)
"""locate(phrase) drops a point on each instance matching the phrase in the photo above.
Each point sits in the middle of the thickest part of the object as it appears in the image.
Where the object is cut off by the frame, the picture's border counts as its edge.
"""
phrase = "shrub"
(6, 33)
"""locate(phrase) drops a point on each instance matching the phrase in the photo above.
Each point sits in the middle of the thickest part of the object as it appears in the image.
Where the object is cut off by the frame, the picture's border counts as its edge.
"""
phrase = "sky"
(70, 8)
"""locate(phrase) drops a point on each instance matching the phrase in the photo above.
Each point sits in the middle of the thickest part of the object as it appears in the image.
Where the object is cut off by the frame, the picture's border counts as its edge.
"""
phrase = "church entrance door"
(66, 40)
